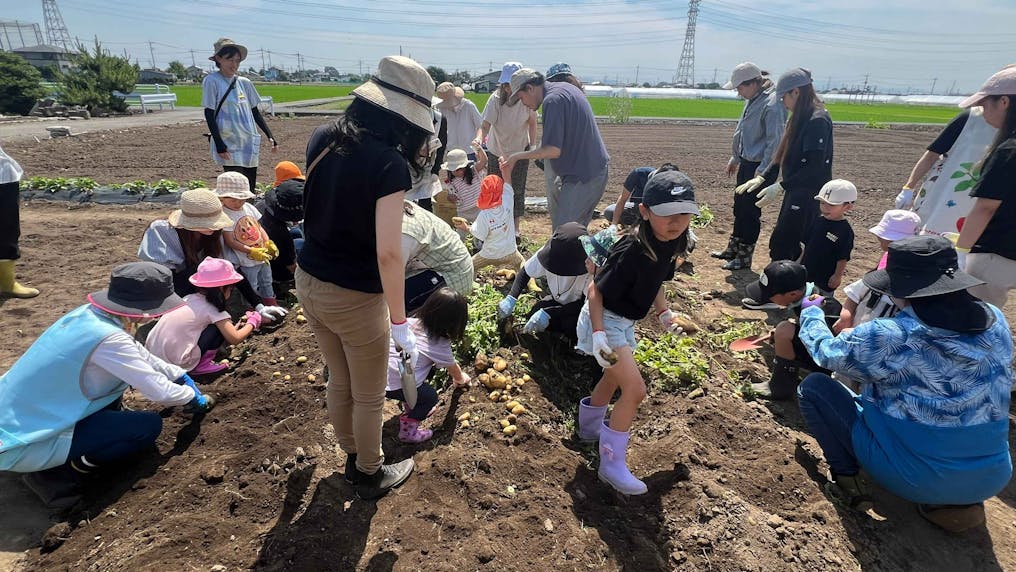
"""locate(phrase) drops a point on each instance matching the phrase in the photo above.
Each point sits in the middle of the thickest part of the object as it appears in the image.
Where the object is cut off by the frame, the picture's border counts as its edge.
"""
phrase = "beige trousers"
(513, 261)
(998, 271)
(352, 330)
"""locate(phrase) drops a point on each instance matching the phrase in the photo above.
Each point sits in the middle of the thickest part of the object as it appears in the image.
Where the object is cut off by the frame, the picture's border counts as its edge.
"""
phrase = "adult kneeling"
(60, 413)
(931, 423)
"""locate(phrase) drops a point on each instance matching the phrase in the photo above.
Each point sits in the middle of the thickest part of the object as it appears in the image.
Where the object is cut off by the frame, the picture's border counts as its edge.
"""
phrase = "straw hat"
(199, 209)
(225, 43)
(402, 87)
(457, 159)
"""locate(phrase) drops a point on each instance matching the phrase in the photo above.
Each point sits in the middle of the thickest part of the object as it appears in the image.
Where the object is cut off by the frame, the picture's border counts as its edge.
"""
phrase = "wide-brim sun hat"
(743, 72)
(215, 272)
(225, 43)
(138, 290)
(200, 209)
(896, 224)
(564, 254)
(1002, 82)
(233, 185)
(402, 87)
(456, 159)
(918, 267)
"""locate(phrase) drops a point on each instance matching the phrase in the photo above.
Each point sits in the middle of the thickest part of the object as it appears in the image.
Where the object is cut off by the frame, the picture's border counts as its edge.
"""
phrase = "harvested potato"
(465, 424)
(287, 377)
(464, 416)
(526, 377)
(512, 419)
(518, 410)
(510, 430)
(494, 395)
(483, 378)
(508, 387)
(500, 364)
(301, 359)
(505, 397)
(524, 355)
(300, 319)
(276, 374)
(685, 323)
(282, 358)
(504, 423)
(311, 377)
(457, 220)
(611, 357)
(472, 399)
(481, 362)
(511, 404)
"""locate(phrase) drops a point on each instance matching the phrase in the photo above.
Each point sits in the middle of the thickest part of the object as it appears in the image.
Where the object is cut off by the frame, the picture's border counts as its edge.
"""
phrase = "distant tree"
(437, 74)
(711, 85)
(647, 84)
(177, 68)
(459, 77)
(94, 76)
(331, 71)
(20, 88)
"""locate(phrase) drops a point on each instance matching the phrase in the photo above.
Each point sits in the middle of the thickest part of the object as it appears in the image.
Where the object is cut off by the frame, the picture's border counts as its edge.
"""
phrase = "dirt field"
(734, 485)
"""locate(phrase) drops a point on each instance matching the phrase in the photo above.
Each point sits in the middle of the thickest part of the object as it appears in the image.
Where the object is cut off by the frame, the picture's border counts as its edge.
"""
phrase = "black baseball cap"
(779, 277)
(669, 193)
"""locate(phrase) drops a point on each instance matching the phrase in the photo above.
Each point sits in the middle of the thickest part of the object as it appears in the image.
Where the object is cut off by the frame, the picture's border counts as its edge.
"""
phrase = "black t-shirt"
(947, 138)
(635, 183)
(808, 163)
(829, 242)
(278, 231)
(339, 199)
(630, 280)
(998, 181)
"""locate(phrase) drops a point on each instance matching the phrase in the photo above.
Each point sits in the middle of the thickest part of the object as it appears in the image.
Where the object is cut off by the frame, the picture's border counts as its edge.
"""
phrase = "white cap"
(837, 192)
(746, 71)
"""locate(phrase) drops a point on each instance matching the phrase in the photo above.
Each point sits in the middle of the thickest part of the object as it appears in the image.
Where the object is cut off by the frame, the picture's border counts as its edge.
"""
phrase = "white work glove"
(961, 259)
(270, 314)
(905, 198)
(405, 339)
(505, 307)
(769, 194)
(601, 348)
(666, 318)
(751, 186)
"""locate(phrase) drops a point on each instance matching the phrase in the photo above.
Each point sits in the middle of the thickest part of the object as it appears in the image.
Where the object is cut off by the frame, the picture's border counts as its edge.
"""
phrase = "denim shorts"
(620, 330)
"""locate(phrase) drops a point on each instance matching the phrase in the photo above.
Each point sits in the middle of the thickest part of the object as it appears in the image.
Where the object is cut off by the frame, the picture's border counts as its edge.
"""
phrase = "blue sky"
(897, 44)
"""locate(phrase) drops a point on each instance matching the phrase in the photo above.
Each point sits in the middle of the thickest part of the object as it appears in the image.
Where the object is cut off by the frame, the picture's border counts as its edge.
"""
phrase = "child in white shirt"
(250, 245)
(495, 226)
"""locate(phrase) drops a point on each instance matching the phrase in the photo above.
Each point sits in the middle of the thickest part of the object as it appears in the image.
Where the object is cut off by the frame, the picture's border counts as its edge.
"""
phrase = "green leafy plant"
(482, 334)
(195, 184)
(135, 187)
(262, 188)
(93, 78)
(85, 184)
(619, 107)
(873, 124)
(676, 359)
(164, 187)
(21, 86)
(734, 330)
(704, 218)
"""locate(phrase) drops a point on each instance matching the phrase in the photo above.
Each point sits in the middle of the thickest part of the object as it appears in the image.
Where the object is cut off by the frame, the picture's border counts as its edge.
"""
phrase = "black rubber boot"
(352, 473)
(370, 487)
(728, 253)
(743, 259)
(57, 488)
(783, 382)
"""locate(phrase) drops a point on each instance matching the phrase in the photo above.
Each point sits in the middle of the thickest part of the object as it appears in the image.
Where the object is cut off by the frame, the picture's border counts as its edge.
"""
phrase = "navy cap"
(669, 193)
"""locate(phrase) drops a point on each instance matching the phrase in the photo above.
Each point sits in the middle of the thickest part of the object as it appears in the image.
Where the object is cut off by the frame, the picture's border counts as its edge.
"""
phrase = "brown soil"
(734, 485)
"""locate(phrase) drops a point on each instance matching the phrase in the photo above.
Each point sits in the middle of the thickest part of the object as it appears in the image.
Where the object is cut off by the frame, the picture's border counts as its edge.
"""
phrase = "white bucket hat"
(233, 185)
(457, 159)
(896, 224)
(199, 209)
(402, 87)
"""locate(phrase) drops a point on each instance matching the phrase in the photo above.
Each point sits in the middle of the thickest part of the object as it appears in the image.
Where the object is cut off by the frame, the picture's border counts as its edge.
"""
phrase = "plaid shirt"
(439, 249)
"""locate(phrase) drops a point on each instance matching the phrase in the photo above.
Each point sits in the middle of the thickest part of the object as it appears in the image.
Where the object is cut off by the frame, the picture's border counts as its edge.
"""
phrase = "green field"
(190, 96)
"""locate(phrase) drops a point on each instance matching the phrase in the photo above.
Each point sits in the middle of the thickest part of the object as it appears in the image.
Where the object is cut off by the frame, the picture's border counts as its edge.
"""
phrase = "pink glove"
(809, 302)
(254, 319)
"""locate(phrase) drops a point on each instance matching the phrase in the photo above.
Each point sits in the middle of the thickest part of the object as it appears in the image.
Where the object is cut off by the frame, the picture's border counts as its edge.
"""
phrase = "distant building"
(273, 74)
(152, 75)
(487, 82)
(44, 56)
(195, 73)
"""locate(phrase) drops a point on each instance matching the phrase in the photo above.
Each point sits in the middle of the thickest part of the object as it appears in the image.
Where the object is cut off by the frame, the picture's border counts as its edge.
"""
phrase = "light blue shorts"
(620, 330)
(260, 278)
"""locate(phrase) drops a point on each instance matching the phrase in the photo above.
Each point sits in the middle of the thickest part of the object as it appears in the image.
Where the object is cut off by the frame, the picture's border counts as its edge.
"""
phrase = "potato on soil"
(510, 430)
(287, 377)
(464, 416)
(500, 364)
(311, 377)
(518, 410)
(494, 395)
(504, 423)
(512, 419)
(301, 359)
(511, 405)
(300, 319)
(465, 424)
(483, 378)
(481, 363)
(525, 377)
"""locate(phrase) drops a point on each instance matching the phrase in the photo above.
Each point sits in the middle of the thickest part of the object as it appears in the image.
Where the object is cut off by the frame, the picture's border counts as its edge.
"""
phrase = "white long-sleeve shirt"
(125, 359)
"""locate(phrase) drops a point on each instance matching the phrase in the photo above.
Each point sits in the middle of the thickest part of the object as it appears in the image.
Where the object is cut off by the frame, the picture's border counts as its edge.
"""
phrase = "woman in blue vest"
(60, 414)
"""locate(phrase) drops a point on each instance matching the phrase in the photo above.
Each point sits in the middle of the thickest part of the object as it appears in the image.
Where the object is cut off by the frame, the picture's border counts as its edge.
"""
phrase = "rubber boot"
(369, 487)
(208, 364)
(953, 518)
(9, 287)
(269, 301)
(57, 488)
(590, 420)
(729, 252)
(352, 473)
(783, 382)
(743, 259)
(613, 464)
(410, 431)
(851, 490)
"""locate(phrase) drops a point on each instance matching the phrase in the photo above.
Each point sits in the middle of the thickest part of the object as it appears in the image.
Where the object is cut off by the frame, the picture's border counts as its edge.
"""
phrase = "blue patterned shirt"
(915, 372)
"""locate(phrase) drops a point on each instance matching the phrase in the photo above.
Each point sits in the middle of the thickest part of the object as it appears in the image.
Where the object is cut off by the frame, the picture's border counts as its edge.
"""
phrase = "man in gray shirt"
(572, 142)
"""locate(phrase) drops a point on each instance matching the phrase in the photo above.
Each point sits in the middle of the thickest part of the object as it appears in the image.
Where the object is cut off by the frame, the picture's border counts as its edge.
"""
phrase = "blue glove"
(505, 307)
(537, 323)
(200, 405)
(809, 302)
(186, 380)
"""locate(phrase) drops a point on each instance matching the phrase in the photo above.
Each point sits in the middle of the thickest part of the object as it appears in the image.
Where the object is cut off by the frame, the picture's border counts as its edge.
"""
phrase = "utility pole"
(192, 61)
(151, 52)
(866, 82)
(262, 50)
(951, 87)
(715, 70)
(269, 59)
(828, 82)
(361, 68)
(636, 76)
(933, 82)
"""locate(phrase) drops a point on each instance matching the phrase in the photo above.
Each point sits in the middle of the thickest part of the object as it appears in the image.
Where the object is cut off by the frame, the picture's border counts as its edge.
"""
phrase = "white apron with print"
(238, 131)
(944, 199)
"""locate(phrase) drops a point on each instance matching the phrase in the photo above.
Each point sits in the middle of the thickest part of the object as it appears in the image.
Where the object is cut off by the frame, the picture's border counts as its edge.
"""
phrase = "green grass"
(190, 96)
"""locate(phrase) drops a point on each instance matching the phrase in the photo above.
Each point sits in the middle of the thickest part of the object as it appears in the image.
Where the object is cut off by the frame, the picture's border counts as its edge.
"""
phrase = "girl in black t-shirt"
(987, 245)
(630, 281)
(805, 161)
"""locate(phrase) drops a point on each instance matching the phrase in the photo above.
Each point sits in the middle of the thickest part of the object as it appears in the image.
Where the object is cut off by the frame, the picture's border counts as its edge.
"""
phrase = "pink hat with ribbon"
(214, 272)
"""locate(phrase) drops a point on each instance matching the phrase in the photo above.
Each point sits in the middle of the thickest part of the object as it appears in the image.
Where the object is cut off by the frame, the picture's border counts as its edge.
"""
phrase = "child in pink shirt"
(191, 335)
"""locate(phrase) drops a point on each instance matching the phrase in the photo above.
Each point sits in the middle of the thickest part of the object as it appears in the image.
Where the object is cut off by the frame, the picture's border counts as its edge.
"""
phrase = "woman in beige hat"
(231, 113)
(350, 277)
(189, 234)
(987, 232)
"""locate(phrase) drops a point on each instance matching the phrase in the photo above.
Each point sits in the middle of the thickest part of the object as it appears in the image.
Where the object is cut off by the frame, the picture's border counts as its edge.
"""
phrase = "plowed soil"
(257, 484)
